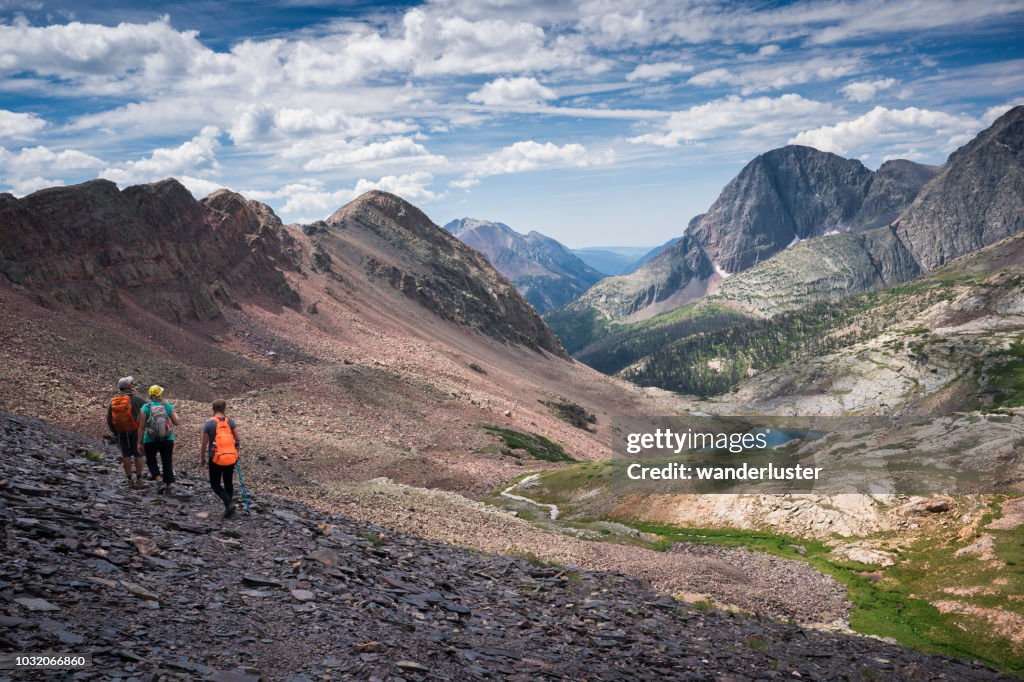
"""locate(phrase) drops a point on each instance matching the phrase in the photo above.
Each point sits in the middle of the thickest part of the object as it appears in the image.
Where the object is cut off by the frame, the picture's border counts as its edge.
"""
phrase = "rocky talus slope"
(159, 587)
(544, 271)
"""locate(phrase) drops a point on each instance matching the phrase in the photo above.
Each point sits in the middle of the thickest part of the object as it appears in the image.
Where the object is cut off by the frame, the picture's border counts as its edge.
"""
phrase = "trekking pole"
(238, 468)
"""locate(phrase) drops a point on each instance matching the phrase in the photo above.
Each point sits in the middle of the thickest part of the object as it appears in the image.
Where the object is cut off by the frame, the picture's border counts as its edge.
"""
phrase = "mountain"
(151, 247)
(647, 257)
(779, 199)
(544, 271)
(977, 199)
(611, 260)
(439, 271)
(375, 311)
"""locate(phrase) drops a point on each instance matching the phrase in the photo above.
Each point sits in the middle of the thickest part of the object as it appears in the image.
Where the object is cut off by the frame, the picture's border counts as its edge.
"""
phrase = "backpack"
(158, 426)
(121, 414)
(225, 452)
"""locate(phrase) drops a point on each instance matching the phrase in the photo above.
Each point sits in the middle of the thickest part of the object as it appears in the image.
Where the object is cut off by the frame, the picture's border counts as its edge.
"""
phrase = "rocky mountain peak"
(96, 247)
(431, 266)
(543, 270)
(977, 198)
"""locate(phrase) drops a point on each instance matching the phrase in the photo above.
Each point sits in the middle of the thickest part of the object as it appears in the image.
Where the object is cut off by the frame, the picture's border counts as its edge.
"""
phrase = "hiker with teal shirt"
(156, 436)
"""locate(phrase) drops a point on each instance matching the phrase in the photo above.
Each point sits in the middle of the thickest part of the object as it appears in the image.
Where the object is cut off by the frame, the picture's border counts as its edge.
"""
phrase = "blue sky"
(597, 122)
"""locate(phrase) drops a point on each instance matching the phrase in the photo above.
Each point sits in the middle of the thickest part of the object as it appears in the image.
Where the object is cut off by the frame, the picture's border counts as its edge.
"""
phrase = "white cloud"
(768, 50)
(19, 126)
(24, 171)
(512, 92)
(308, 201)
(865, 91)
(760, 78)
(21, 186)
(396, 148)
(992, 113)
(755, 117)
(197, 154)
(42, 159)
(529, 155)
(885, 128)
(657, 71)
(256, 123)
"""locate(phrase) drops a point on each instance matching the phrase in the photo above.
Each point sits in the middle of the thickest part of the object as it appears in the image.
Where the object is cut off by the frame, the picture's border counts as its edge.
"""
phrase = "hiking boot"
(229, 510)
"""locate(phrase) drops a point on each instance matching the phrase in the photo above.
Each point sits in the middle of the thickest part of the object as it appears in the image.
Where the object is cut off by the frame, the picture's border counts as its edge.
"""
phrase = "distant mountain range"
(717, 293)
(544, 271)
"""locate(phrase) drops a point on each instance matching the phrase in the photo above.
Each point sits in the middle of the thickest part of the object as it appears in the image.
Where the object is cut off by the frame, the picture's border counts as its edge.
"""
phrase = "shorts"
(128, 442)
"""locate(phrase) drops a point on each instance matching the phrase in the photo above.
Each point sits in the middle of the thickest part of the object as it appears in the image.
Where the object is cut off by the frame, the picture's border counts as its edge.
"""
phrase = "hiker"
(220, 443)
(124, 413)
(156, 436)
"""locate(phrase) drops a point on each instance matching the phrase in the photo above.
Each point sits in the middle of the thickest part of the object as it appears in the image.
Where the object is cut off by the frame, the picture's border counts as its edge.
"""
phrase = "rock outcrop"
(544, 271)
(154, 246)
(976, 200)
(429, 265)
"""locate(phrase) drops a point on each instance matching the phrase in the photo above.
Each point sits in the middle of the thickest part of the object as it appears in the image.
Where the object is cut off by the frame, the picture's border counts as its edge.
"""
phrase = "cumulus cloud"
(19, 126)
(657, 71)
(255, 123)
(197, 154)
(529, 155)
(24, 171)
(865, 91)
(311, 200)
(512, 92)
(754, 117)
(883, 128)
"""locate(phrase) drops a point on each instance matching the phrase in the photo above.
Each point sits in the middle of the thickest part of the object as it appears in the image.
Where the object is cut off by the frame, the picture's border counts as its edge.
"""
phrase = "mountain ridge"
(547, 273)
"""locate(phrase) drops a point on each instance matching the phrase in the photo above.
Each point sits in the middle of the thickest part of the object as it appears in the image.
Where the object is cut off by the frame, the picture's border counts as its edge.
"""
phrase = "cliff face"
(544, 271)
(429, 265)
(796, 193)
(779, 199)
(977, 199)
(97, 248)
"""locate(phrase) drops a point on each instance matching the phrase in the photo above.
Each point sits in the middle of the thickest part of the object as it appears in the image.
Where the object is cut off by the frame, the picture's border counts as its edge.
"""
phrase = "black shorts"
(128, 442)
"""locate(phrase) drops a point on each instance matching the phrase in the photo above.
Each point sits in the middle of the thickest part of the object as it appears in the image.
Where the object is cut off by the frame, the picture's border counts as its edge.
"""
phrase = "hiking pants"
(222, 480)
(128, 442)
(166, 449)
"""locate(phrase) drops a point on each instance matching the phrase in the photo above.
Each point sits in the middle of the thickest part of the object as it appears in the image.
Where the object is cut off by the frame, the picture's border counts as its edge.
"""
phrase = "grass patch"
(93, 456)
(536, 445)
(897, 606)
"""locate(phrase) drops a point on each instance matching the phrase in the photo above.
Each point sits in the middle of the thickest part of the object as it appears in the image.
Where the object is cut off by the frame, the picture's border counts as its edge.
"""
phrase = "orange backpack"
(121, 414)
(225, 452)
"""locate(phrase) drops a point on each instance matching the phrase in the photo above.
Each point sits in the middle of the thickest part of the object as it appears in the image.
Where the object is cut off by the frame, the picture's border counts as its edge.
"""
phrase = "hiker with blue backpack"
(156, 436)
(220, 447)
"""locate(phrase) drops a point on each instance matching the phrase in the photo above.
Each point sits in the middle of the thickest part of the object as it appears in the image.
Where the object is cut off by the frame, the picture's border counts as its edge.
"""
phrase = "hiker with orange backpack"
(156, 436)
(220, 444)
(124, 413)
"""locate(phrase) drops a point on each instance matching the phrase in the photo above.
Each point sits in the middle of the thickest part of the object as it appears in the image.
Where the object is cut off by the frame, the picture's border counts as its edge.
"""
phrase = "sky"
(596, 122)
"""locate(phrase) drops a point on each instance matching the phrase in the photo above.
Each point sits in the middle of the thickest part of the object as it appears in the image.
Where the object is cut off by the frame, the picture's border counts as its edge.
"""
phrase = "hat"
(125, 382)
(155, 391)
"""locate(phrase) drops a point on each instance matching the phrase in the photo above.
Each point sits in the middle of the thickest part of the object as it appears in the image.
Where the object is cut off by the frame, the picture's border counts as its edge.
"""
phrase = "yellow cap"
(155, 391)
